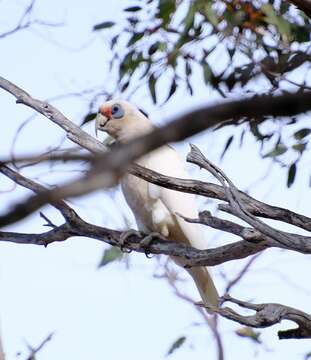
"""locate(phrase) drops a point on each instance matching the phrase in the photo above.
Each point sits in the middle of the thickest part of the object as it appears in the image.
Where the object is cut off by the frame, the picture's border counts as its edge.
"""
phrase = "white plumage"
(155, 207)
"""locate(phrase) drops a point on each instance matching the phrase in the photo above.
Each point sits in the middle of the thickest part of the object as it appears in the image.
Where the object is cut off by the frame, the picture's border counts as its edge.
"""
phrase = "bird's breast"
(135, 191)
(150, 213)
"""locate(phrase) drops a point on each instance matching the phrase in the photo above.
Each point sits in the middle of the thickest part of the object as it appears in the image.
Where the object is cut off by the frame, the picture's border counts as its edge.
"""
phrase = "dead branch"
(25, 22)
(75, 226)
(34, 351)
(269, 314)
(113, 163)
(197, 187)
(74, 133)
(215, 191)
(109, 166)
(283, 239)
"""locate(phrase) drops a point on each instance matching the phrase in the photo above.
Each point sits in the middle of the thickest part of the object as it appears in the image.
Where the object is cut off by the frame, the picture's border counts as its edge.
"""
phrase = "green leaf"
(103, 25)
(153, 48)
(114, 41)
(172, 89)
(302, 133)
(165, 10)
(176, 345)
(248, 332)
(189, 18)
(210, 14)
(126, 64)
(188, 68)
(282, 25)
(254, 127)
(111, 254)
(300, 147)
(125, 85)
(89, 117)
(280, 149)
(133, 20)
(152, 87)
(135, 37)
(284, 7)
(207, 72)
(133, 8)
(300, 33)
(291, 175)
(227, 145)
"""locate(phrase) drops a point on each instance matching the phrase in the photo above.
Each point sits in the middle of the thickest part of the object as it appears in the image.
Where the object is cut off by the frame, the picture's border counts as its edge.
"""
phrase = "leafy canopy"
(233, 47)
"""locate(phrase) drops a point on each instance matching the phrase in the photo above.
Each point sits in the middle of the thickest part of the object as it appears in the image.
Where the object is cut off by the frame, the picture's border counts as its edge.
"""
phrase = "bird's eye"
(117, 111)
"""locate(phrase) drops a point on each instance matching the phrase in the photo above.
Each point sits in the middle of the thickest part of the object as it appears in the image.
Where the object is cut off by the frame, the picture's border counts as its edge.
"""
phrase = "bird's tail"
(205, 285)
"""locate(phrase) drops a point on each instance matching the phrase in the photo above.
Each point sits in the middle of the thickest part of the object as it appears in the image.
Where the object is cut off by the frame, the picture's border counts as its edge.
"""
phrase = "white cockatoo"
(155, 208)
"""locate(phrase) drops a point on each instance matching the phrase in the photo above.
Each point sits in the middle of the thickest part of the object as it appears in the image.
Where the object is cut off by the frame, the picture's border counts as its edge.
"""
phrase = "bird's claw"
(146, 242)
(124, 239)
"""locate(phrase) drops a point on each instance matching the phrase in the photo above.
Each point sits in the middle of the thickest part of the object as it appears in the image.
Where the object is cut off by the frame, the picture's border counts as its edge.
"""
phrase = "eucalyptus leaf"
(103, 25)
(291, 174)
(110, 255)
(176, 345)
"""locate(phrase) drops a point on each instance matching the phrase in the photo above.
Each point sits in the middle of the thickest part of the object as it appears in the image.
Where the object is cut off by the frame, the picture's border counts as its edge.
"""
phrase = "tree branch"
(266, 314)
(215, 191)
(303, 5)
(34, 351)
(74, 133)
(270, 314)
(75, 226)
(25, 22)
(113, 163)
(274, 237)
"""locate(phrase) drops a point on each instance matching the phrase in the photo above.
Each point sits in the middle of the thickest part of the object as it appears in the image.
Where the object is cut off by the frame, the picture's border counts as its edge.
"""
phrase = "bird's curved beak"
(100, 122)
(102, 118)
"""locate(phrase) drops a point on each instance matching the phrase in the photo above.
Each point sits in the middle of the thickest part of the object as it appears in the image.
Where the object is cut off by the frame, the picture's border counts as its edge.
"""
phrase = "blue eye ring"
(117, 111)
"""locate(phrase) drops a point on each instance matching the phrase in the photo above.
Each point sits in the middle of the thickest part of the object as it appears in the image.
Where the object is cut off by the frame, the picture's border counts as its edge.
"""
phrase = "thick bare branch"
(215, 191)
(75, 226)
(78, 227)
(266, 314)
(74, 133)
(35, 187)
(270, 314)
(254, 242)
(114, 162)
(274, 237)
(197, 187)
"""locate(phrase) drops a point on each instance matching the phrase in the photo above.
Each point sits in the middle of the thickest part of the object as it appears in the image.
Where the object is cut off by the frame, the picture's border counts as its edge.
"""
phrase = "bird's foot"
(144, 243)
(147, 241)
(124, 239)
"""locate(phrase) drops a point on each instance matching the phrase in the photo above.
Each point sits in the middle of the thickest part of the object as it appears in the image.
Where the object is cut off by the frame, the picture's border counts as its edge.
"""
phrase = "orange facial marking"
(106, 111)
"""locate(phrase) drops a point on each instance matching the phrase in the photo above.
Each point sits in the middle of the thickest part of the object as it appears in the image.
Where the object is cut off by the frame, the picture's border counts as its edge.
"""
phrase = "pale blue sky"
(114, 312)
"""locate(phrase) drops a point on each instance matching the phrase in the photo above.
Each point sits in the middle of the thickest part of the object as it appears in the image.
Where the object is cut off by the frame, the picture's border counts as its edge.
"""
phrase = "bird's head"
(122, 120)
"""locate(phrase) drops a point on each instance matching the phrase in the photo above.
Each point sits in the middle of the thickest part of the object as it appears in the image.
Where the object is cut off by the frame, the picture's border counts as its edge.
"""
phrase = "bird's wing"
(168, 162)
